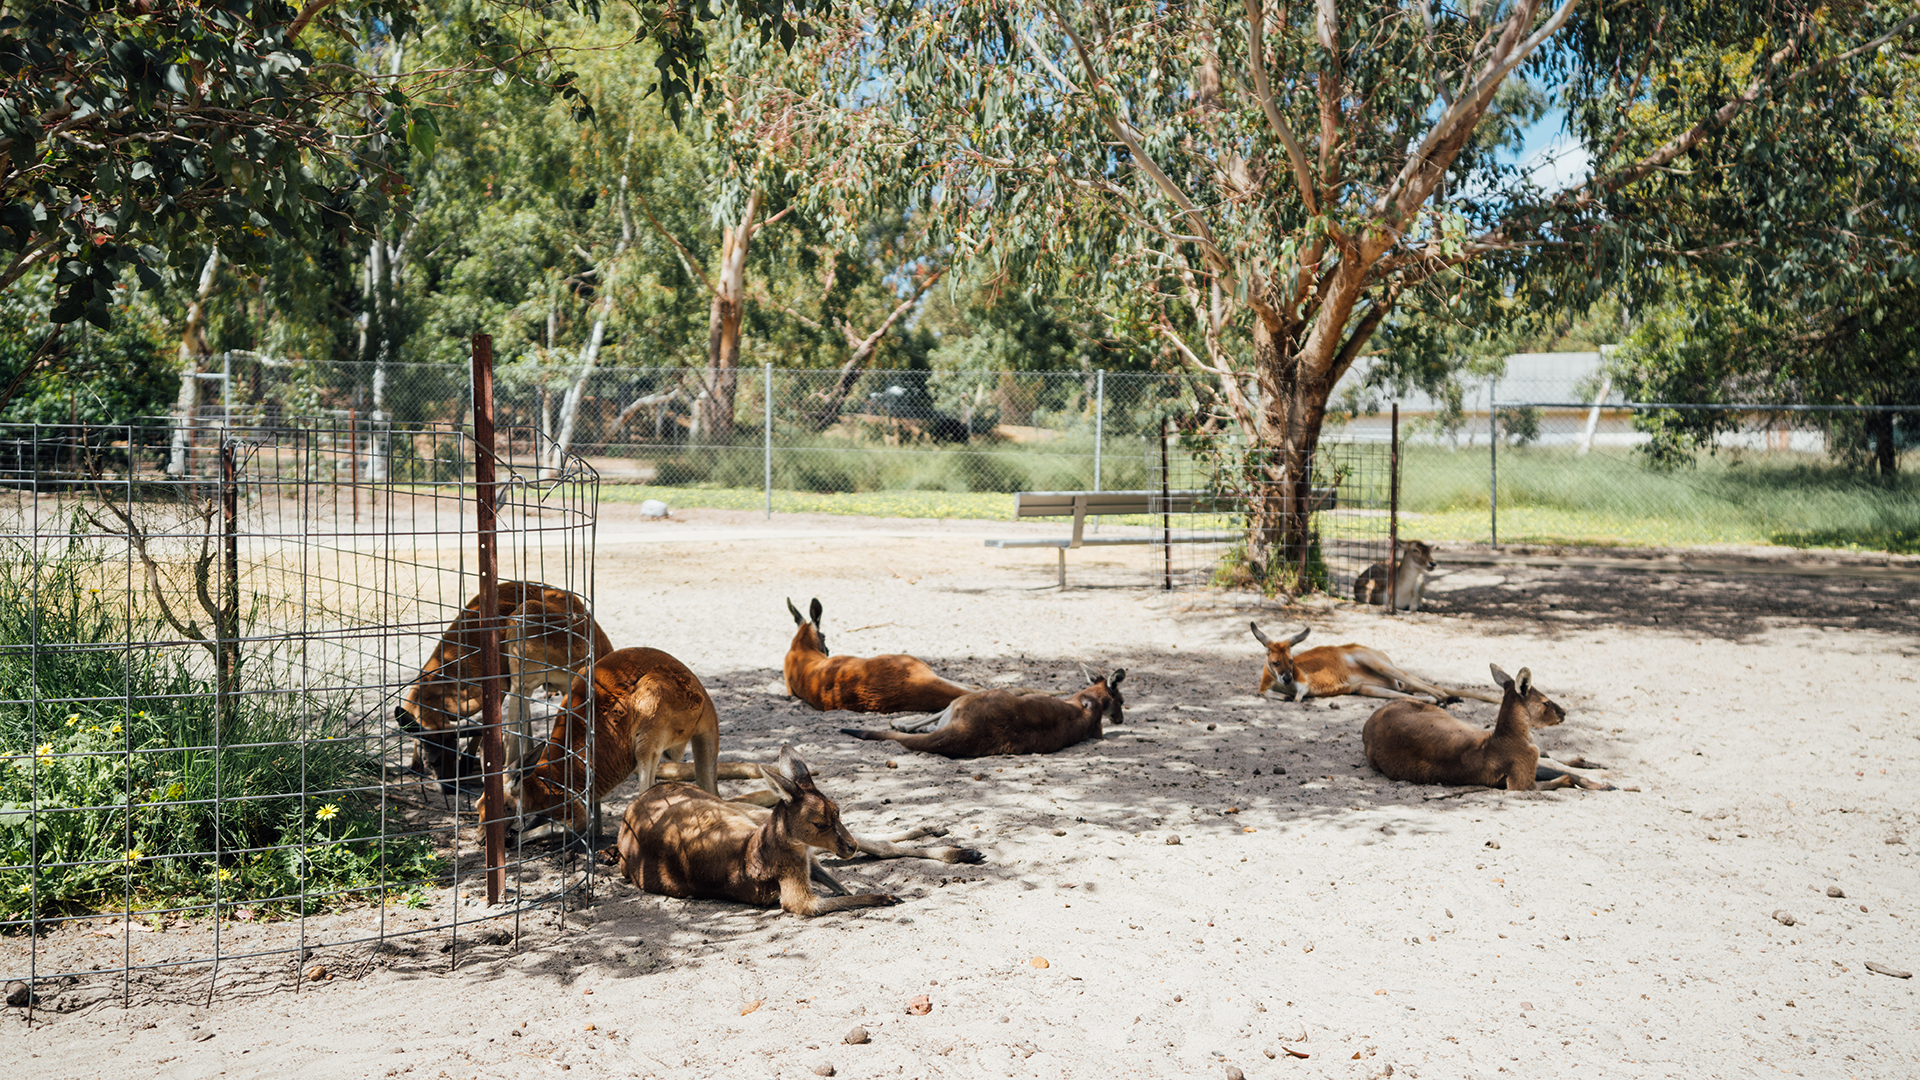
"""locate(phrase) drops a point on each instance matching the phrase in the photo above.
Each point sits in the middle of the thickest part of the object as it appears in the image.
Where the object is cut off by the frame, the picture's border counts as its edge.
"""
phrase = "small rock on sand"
(1882, 969)
(856, 1037)
(825, 1068)
(20, 994)
(316, 973)
(1039, 962)
(1234, 1073)
(1784, 917)
(921, 1005)
(1836, 892)
(1173, 840)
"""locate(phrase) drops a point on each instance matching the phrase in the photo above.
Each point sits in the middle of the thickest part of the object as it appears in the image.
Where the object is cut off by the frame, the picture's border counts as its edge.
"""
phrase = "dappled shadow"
(1730, 606)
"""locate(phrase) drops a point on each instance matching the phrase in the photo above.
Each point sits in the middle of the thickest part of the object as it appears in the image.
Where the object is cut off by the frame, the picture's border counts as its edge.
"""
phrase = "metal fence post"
(1099, 422)
(766, 432)
(1166, 511)
(1493, 467)
(493, 748)
(1393, 510)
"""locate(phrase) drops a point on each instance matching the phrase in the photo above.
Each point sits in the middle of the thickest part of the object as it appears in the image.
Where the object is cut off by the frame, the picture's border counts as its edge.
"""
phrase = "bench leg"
(1063, 566)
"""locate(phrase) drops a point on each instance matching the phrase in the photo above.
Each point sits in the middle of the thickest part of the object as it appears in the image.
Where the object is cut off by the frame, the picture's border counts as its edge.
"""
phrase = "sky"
(1556, 158)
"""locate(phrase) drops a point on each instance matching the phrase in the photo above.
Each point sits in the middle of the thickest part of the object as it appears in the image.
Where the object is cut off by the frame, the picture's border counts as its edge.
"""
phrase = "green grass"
(1611, 498)
(1547, 495)
(110, 757)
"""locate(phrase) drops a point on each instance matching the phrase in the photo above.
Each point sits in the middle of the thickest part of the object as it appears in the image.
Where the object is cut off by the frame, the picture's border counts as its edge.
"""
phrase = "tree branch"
(1263, 93)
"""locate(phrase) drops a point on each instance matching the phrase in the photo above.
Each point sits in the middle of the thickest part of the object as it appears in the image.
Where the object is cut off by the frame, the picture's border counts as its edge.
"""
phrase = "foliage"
(99, 377)
(113, 760)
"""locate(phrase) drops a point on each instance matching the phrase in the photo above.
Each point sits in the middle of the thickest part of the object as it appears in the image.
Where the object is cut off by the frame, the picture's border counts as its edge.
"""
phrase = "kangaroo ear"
(1525, 682)
(797, 620)
(814, 609)
(1257, 635)
(1301, 636)
(1113, 680)
(796, 769)
(1501, 678)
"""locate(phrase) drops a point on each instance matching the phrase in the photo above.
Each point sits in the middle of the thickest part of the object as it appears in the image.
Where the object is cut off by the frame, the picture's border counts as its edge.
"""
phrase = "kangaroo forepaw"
(961, 855)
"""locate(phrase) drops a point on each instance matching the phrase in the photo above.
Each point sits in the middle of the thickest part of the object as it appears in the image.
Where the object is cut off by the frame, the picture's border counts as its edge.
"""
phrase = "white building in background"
(1564, 385)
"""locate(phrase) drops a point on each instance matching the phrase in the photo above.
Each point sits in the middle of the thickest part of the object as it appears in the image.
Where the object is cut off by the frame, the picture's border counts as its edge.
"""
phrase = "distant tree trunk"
(193, 349)
(723, 324)
(863, 349)
(1886, 456)
(590, 354)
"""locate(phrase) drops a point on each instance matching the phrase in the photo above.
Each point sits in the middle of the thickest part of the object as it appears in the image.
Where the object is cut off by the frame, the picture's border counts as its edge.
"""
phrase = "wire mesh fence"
(205, 632)
(1222, 498)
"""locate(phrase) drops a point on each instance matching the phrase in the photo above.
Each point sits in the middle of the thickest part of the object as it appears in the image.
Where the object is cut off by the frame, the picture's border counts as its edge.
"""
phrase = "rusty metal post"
(493, 749)
(1393, 509)
(353, 460)
(1166, 511)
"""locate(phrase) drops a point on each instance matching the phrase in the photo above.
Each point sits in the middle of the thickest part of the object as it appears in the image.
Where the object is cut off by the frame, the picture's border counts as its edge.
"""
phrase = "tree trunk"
(193, 348)
(1885, 454)
(723, 326)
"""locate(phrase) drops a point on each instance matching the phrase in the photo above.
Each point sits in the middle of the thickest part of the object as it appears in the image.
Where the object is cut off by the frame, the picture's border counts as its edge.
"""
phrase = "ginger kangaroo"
(882, 684)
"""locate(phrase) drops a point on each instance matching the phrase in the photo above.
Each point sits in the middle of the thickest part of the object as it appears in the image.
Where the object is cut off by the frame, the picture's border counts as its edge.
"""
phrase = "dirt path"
(1771, 725)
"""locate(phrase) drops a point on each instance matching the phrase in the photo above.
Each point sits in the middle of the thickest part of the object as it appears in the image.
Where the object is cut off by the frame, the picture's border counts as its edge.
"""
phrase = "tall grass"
(1552, 495)
(120, 785)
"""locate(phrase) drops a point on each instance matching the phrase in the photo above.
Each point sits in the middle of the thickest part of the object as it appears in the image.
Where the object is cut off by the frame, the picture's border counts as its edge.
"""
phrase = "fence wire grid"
(204, 634)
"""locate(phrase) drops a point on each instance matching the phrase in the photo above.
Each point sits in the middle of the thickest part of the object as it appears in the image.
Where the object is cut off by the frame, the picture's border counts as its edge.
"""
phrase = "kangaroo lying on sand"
(990, 722)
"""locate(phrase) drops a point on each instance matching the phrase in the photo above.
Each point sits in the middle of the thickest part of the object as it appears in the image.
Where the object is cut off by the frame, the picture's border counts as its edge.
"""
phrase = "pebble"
(979, 776)
(20, 994)
(1173, 841)
(589, 1027)
(1882, 969)
(1234, 1073)
(856, 1037)
(1783, 917)
(892, 764)
(1836, 892)
(1039, 962)
(316, 973)
(825, 1068)
(921, 1005)
(1059, 832)
(1270, 1054)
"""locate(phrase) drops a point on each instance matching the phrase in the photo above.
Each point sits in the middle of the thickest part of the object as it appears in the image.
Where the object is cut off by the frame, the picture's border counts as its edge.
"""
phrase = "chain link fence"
(1571, 462)
(204, 632)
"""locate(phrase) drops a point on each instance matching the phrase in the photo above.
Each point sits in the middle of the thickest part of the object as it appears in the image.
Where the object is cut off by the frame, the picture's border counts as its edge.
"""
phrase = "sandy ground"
(1312, 918)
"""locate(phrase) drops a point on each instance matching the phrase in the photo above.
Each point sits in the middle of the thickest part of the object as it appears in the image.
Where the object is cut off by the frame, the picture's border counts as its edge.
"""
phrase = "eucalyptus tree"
(1273, 179)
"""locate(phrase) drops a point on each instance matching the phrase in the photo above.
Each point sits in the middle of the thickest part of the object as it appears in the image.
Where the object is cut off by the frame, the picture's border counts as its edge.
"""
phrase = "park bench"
(1080, 505)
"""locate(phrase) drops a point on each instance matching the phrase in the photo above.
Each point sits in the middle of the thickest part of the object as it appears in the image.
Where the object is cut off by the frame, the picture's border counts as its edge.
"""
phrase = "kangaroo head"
(805, 813)
(1535, 707)
(809, 635)
(1280, 668)
(1102, 697)
(1417, 554)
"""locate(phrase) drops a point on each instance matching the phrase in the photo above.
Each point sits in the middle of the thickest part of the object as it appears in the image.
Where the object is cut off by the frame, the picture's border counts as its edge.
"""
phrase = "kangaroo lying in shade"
(989, 722)
(1425, 744)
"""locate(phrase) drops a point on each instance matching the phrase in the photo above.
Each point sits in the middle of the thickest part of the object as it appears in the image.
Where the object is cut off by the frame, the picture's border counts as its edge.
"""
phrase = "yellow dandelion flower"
(72, 719)
(133, 854)
(224, 875)
(327, 812)
(24, 890)
(44, 751)
(117, 729)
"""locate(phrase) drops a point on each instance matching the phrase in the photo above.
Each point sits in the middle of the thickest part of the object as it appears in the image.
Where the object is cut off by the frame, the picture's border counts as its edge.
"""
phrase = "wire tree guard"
(204, 633)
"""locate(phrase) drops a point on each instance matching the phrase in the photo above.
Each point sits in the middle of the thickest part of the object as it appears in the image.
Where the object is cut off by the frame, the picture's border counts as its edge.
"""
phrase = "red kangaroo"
(881, 684)
(1332, 670)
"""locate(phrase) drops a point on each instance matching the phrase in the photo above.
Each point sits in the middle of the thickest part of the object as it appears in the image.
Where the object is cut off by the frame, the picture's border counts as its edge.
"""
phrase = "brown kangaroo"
(678, 840)
(641, 705)
(1410, 578)
(881, 684)
(545, 634)
(1332, 670)
(1425, 744)
(989, 722)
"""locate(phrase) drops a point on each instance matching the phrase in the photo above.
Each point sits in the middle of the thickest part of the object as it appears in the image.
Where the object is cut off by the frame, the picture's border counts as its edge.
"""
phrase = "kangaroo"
(1410, 579)
(641, 705)
(677, 840)
(989, 722)
(882, 684)
(1332, 670)
(1414, 741)
(545, 634)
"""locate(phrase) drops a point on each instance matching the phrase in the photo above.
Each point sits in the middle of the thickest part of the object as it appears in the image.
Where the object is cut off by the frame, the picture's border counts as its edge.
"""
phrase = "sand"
(1221, 883)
